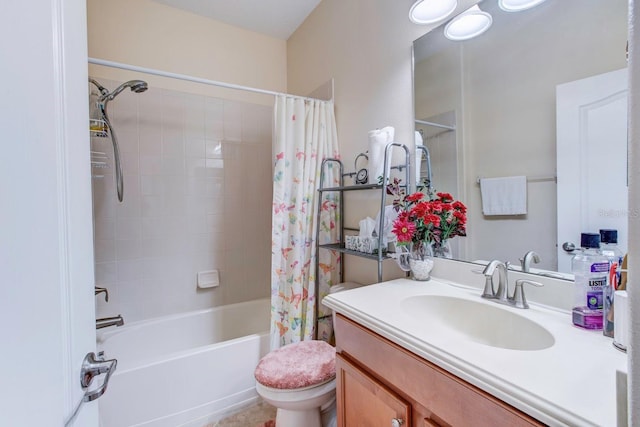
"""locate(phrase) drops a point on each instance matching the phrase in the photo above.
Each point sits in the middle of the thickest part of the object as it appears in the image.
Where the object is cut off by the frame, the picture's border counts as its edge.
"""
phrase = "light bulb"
(431, 11)
(469, 24)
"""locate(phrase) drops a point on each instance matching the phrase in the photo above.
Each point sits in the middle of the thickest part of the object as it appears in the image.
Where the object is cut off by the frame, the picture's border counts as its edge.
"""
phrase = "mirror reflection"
(486, 108)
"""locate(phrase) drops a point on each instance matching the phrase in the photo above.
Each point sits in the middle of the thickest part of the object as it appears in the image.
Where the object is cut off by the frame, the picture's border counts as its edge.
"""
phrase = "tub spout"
(105, 322)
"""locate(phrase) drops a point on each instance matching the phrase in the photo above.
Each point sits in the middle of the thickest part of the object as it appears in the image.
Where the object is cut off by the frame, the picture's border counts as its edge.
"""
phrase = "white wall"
(197, 197)
(634, 206)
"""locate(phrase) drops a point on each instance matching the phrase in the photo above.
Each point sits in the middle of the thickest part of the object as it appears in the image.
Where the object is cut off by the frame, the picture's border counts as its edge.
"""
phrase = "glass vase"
(442, 249)
(421, 261)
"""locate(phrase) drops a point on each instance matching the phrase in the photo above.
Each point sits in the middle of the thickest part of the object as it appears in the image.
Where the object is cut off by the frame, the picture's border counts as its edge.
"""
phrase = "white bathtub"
(187, 369)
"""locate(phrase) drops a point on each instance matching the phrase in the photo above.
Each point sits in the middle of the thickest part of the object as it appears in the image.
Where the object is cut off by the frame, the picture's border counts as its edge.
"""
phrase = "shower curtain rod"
(185, 77)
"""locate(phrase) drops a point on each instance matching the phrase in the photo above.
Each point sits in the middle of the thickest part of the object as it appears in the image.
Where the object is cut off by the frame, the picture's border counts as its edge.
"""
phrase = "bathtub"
(187, 369)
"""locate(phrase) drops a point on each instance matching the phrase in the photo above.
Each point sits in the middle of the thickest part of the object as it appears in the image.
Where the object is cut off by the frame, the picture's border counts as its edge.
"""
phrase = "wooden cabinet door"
(365, 402)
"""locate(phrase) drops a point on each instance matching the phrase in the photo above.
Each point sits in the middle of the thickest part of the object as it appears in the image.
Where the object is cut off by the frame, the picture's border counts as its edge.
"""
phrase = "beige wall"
(365, 45)
(152, 35)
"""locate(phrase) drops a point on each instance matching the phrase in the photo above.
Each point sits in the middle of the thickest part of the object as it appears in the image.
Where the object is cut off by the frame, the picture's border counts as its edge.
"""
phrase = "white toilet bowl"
(298, 379)
(299, 407)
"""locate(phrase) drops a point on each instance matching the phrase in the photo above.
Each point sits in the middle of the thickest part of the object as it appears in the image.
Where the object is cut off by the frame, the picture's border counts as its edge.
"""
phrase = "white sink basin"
(482, 322)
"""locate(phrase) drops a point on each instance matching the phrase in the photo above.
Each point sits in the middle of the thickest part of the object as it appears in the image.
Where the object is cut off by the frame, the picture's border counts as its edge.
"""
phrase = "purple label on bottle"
(600, 267)
(594, 300)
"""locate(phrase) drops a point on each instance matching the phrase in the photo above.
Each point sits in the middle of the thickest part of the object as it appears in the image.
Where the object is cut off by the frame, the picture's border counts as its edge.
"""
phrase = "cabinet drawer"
(448, 400)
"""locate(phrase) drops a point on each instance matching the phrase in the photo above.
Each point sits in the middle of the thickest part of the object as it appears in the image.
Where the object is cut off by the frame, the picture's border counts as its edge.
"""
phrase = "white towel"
(504, 196)
(418, 143)
(378, 140)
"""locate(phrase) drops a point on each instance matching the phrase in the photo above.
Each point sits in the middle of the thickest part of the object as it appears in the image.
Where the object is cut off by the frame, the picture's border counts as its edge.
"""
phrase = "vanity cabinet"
(381, 384)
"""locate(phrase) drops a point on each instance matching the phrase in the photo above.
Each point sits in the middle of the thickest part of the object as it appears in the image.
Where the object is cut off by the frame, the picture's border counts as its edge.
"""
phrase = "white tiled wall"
(197, 196)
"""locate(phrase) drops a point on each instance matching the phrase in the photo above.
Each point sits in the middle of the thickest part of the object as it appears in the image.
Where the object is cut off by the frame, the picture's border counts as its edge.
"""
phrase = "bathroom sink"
(478, 321)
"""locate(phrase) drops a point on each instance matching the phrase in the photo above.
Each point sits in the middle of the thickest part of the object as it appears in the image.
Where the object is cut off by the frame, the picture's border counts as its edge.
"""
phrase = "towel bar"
(545, 178)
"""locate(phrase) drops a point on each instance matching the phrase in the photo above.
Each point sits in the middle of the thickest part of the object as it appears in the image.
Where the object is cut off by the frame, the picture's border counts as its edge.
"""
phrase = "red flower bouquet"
(425, 219)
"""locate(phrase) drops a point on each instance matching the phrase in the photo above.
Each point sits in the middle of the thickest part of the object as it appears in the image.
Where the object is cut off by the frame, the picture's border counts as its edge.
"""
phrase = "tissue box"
(367, 245)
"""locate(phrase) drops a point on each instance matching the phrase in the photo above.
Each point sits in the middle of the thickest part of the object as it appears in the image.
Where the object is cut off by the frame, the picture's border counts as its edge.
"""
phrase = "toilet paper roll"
(418, 142)
(621, 319)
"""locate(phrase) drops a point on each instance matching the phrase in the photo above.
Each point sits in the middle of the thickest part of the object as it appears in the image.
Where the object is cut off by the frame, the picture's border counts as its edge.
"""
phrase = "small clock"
(362, 176)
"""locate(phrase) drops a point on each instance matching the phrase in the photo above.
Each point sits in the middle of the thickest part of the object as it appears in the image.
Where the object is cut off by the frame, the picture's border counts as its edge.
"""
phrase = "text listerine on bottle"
(590, 269)
(595, 298)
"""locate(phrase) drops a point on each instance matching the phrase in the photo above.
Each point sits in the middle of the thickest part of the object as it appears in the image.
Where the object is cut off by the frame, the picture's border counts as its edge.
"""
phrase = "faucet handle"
(99, 290)
(519, 300)
(488, 291)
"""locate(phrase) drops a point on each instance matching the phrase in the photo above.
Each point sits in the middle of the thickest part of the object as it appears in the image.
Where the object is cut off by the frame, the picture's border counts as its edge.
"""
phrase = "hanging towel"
(378, 140)
(418, 143)
(504, 196)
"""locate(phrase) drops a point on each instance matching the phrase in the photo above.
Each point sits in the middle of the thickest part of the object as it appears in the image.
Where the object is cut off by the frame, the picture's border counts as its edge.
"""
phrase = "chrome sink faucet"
(503, 280)
(525, 262)
(501, 295)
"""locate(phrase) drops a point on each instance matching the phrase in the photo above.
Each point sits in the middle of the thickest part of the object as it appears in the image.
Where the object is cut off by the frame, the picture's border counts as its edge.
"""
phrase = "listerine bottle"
(590, 269)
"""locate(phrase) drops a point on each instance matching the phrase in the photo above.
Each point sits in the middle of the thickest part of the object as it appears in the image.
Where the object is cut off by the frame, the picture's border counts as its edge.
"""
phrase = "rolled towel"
(418, 143)
(378, 140)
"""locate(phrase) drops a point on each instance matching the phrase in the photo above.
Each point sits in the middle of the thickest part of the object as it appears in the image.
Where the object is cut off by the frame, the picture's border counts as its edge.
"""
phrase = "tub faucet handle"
(99, 290)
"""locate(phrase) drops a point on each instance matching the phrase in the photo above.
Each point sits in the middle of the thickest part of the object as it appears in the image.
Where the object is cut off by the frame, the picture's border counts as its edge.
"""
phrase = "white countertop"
(571, 383)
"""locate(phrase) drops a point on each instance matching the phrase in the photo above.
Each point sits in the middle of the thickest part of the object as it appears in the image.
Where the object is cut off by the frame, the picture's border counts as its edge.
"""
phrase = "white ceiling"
(275, 18)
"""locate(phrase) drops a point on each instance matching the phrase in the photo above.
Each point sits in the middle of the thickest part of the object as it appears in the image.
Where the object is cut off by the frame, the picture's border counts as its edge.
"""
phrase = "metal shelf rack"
(339, 246)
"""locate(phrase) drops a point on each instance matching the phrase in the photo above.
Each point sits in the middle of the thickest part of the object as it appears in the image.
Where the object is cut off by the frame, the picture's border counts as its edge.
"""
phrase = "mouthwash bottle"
(590, 269)
(609, 248)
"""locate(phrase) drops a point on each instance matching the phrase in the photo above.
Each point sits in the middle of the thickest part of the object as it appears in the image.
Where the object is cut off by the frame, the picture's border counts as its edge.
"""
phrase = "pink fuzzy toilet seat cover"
(298, 365)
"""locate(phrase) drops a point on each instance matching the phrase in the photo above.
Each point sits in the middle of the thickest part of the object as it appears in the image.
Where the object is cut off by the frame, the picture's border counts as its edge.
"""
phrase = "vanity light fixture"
(469, 24)
(431, 11)
(518, 5)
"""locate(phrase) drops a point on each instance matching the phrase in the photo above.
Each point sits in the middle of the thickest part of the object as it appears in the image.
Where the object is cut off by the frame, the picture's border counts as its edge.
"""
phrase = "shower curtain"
(305, 134)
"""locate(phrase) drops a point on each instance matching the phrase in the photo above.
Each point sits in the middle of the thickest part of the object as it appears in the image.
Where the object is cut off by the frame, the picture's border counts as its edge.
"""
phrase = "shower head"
(136, 86)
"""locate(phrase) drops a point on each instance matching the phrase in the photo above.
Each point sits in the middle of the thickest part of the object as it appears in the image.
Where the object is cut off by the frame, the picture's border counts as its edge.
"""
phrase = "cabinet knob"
(397, 422)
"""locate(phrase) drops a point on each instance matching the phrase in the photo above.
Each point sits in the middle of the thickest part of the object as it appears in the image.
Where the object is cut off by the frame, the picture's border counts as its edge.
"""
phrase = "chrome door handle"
(93, 366)
(568, 247)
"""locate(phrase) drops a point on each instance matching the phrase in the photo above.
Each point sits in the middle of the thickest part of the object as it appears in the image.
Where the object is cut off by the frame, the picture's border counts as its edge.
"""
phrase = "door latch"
(92, 366)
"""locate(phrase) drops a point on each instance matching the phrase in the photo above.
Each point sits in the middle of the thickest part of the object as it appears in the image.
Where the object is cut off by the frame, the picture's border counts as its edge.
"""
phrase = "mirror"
(498, 93)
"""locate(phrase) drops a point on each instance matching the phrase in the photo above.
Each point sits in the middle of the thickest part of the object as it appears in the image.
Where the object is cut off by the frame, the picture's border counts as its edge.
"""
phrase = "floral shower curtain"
(305, 134)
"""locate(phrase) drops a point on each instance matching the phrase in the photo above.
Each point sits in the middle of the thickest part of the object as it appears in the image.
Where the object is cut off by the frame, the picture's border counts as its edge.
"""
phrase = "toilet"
(300, 380)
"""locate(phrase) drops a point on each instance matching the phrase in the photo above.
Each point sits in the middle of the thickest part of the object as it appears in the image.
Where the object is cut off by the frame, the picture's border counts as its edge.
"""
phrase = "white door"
(46, 251)
(591, 159)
